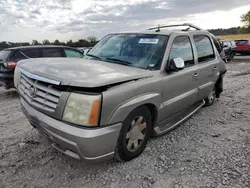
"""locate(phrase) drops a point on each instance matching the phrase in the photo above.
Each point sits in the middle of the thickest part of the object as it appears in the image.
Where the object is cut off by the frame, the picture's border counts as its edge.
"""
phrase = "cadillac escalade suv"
(129, 87)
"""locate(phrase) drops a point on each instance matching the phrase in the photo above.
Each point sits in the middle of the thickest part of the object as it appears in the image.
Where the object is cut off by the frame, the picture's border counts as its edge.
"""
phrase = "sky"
(25, 20)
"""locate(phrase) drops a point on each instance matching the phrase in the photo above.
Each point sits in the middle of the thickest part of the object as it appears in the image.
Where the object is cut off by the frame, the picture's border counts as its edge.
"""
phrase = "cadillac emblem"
(32, 91)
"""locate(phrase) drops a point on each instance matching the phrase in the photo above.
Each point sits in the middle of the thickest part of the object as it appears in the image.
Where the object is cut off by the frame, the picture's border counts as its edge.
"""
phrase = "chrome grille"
(40, 94)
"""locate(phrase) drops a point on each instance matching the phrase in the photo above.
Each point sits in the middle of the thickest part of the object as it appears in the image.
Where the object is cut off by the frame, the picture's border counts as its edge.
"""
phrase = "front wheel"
(210, 99)
(134, 134)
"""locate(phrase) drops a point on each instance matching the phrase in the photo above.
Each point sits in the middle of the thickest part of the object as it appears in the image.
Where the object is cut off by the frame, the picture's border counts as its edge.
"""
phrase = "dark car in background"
(10, 56)
(229, 48)
(243, 46)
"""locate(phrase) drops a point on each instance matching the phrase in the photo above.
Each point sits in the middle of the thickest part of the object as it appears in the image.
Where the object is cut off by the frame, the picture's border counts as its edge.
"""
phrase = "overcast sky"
(24, 20)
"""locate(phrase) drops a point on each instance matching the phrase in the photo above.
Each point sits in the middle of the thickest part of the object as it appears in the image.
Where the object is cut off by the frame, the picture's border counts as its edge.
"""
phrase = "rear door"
(208, 65)
(180, 88)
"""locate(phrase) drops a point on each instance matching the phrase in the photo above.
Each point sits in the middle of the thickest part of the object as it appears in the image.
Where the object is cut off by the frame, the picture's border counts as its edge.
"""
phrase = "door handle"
(215, 67)
(195, 74)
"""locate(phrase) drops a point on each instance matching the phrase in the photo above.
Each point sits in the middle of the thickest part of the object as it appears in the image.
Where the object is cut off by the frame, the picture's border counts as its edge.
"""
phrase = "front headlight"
(17, 75)
(82, 109)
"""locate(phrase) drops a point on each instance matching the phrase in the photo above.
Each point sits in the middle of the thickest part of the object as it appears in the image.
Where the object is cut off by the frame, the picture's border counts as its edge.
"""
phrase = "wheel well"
(153, 110)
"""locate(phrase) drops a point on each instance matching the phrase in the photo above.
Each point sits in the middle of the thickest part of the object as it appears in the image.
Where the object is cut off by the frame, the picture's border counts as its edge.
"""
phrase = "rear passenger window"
(182, 48)
(204, 48)
(51, 52)
(73, 53)
(31, 53)
(17, 56)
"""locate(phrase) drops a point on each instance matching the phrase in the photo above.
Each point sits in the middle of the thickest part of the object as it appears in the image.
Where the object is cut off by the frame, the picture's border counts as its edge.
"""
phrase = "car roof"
(163, 32)
(38, 46)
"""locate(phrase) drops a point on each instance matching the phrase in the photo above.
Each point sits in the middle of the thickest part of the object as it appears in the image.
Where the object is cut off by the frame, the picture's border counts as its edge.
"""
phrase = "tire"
(136, 128)
(210, 99)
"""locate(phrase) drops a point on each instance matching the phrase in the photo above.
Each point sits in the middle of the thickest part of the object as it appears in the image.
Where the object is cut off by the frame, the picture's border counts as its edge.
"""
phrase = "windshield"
(4, 54)
(138, 50)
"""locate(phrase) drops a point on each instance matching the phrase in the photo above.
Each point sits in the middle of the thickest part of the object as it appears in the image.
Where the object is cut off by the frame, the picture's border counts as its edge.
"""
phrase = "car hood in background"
(82, 72)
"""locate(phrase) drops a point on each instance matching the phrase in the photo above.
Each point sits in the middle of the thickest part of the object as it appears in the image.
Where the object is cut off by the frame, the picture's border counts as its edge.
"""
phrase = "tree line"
(88, 42)
(230, 31)
(245, 19)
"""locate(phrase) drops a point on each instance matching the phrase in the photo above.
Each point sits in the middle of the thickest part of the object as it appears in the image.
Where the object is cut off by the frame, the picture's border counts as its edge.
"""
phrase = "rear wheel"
(210, 99)
(134, 134)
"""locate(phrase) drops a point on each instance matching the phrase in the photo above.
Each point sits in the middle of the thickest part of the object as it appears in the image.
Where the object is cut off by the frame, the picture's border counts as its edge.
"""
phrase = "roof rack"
(157, 29)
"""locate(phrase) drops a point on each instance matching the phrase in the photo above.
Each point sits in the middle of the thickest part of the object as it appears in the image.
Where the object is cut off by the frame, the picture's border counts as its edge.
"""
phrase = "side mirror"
(176, 64)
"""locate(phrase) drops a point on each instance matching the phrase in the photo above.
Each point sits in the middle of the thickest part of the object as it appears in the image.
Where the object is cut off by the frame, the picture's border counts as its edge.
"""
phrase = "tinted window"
(73, 53)
(204, 48)
(4, 54)
(51, 52)
(182, 48)
(18, 55)
(31, 53)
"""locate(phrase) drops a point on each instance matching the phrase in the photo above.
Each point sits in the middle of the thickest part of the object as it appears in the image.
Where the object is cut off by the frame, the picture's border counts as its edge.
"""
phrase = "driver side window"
(181, 48)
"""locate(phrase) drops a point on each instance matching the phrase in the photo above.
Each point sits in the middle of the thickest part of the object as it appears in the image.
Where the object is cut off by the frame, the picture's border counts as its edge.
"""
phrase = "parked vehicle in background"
(243, 47)
(9, 58)
(129, 87)
(229, 48)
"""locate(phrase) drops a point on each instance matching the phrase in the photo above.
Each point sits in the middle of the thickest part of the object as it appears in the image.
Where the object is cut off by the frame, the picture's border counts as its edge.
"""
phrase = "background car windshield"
(4, 54)
(141, 50)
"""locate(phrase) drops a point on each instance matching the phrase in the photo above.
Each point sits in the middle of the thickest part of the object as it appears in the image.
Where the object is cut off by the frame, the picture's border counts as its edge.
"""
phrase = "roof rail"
(177, 25)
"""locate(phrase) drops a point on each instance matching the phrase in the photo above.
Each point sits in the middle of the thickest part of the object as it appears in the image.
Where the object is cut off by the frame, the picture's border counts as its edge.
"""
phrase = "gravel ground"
(212, 149)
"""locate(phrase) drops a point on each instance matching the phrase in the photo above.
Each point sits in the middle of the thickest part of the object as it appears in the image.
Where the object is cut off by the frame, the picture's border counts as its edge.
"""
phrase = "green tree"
(70, 43)
(35, 42)
(57, 42)
(46, 42)
(245, 19)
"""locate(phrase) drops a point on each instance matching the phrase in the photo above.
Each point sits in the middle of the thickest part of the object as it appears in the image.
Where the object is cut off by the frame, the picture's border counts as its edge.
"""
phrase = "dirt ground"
(212, 149)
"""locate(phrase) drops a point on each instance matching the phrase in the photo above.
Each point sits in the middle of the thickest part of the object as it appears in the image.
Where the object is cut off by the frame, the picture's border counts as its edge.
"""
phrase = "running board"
(174, 121)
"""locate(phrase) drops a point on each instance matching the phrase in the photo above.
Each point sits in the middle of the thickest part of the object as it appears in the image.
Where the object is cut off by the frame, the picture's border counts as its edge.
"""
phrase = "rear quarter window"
(204, 48)
(17, 55)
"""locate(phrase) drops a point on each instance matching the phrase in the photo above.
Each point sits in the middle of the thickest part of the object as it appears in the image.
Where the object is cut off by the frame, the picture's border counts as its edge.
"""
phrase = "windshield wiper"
(94, 56)
(123, 62)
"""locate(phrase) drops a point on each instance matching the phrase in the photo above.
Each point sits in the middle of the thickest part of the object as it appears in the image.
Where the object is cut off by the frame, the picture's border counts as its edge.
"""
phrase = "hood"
(82, 72)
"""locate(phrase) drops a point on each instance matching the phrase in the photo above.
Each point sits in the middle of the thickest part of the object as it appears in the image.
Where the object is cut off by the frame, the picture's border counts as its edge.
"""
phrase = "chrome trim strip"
(47, 80)
(180, 97)
(208, 84)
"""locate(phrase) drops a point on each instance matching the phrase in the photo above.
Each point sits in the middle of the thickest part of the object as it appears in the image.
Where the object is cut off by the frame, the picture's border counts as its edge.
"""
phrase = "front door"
(180, 88)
